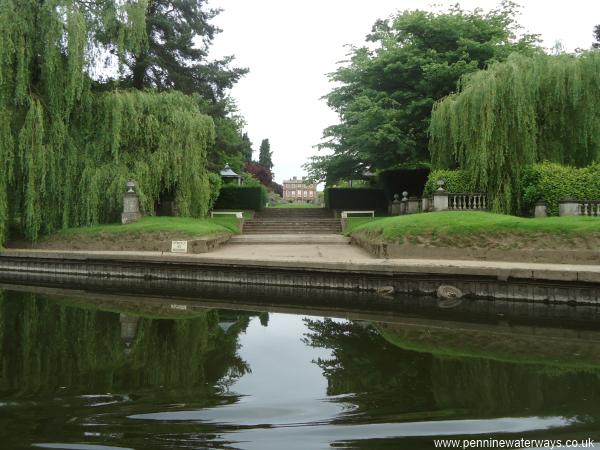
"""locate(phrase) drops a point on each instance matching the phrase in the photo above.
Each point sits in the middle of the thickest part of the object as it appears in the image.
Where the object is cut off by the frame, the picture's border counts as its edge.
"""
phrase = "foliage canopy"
(67, 146)
(386, 91)
(516, 113)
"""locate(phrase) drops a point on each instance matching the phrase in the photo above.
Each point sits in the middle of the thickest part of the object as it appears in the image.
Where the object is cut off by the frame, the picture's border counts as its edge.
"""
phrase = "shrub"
(356, 198)
(214, 182)
(241, 197)
(550, 182)
(456, 181)
(259, 172)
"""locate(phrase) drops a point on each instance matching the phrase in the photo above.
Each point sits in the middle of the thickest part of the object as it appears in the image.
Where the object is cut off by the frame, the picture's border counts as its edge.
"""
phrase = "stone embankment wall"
(578, 285)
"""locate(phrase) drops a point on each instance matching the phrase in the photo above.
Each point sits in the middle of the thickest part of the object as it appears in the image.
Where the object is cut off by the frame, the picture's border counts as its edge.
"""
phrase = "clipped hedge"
(241, 197)
(356, 198)
(550, 182)
(456, 181)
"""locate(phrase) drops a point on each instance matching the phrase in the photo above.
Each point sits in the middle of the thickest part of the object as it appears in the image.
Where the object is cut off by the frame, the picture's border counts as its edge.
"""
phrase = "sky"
(291, 46)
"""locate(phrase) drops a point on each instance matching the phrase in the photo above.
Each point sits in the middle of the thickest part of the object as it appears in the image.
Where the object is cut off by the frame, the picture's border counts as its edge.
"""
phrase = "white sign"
(179, 307)
(178, 246)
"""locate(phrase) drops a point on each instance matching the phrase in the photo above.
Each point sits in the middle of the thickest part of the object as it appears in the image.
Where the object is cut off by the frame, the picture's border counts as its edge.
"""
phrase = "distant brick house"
(299, 190)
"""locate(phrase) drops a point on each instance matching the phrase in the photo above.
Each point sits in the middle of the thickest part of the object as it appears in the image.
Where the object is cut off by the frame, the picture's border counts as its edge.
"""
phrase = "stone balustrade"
(467, 202)
(589, 208)
(570, 206)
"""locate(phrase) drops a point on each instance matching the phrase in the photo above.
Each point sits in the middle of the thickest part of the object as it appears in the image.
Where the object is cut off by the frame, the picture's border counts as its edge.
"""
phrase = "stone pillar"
(404, 202)
(568, 207)
(540, 209)
(440, 200)
(440, 197)
(131, 205)
(413, 205)
(396, 206)
(425, 204)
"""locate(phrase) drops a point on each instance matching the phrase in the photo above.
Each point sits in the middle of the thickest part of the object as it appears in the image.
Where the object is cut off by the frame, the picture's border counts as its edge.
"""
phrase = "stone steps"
(292, 221)
(289, 227)
(295, 213)
(299, 239)
(307, 232)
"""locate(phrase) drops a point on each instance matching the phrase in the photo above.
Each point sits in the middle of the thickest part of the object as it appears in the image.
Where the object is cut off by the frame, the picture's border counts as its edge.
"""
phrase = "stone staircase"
(293, 221)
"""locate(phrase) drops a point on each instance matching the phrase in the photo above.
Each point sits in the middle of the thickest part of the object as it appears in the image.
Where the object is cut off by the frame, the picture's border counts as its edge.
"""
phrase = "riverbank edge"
(380, 248)
(548, 283)
(153, 241)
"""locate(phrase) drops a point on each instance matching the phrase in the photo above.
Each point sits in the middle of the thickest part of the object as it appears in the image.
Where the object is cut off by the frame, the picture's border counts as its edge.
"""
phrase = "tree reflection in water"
(48, 347)
(385, 381)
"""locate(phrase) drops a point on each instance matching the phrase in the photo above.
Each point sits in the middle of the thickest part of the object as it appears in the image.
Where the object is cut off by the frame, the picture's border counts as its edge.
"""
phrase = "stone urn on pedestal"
(131, 205)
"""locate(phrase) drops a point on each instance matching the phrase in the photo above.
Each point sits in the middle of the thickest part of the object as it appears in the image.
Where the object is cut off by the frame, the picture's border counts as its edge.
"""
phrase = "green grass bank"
(480, 235)
(149, 234)
(188, 225)
(454, 223)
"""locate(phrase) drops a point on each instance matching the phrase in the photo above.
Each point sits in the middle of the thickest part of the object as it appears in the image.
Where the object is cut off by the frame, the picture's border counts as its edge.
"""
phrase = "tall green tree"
(596, 44)
(265, 154)
(385, 92)
(66, 149)
(231, 146)
(179, 34)
(247, 148)
(518, 112)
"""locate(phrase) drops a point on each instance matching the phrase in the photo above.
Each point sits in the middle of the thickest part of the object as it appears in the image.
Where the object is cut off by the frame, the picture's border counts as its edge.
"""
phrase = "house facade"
(299, 190)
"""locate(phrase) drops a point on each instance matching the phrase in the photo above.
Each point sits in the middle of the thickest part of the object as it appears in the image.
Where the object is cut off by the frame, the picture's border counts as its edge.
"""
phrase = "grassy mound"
(466, 223)
(149, 234)
(185, 225)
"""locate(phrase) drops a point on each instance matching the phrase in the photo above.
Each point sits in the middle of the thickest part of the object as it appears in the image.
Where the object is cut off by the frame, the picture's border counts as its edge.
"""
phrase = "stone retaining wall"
(518, 285)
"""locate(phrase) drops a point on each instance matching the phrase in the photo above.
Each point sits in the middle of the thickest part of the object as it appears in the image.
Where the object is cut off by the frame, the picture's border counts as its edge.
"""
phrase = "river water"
(78, 373)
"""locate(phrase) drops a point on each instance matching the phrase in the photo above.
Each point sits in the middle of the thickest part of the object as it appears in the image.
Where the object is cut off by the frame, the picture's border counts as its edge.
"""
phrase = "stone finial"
(130, 186)
(396, 207)
(441, 183)
(405, 196)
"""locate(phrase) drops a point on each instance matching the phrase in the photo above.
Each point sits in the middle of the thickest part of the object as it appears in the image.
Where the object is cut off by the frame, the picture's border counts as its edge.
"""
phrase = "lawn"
(187, 225)
(295, 205)
(450, 223)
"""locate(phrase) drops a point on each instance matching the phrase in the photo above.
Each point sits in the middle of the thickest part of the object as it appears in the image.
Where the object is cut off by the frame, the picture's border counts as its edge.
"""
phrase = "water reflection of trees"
(380, 378)
(46, 347)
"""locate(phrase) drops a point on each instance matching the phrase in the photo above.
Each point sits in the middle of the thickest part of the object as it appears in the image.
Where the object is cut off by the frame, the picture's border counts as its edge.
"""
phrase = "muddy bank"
(156, 241)
(537, 248)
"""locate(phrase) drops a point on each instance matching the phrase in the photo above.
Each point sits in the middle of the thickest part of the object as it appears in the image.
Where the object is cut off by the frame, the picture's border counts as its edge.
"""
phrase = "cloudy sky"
(290, 46)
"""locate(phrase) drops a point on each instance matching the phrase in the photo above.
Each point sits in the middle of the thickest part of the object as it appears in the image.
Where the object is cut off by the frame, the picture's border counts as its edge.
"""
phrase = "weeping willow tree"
(67, 148)
(518, 112)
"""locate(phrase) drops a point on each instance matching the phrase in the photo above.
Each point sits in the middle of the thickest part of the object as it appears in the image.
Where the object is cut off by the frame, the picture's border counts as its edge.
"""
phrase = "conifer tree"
(265, 154)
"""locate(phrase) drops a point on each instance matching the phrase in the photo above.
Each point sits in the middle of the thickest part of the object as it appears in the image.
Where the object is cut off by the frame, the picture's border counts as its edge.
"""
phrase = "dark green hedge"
(356, 198)
(550, 182)
(241, 197)
(544, 181)
(456, 181)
